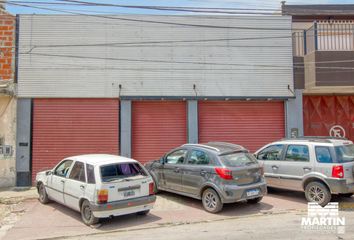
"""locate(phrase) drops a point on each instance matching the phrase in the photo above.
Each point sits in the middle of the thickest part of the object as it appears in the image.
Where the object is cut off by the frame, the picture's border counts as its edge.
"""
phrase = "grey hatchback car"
(214, 172)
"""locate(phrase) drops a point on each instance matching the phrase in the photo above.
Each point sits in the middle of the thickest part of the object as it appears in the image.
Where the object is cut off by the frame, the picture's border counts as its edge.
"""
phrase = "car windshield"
(120, 171)
(345, 153)
(238, 159)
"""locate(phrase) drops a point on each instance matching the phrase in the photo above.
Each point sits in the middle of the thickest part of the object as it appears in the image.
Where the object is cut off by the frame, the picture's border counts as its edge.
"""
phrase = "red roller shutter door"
(322, 113)
(251, 124)
(67, 127)
(157, 127)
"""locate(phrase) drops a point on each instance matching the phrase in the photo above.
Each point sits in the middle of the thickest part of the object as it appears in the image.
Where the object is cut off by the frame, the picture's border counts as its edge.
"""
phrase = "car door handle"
(203, 172)
(275, 167)
(62, 181)
(82, 186)
(176, 170)
(307, 168)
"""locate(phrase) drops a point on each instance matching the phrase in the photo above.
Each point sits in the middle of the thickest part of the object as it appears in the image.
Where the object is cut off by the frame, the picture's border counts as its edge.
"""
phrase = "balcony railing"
(324, 36)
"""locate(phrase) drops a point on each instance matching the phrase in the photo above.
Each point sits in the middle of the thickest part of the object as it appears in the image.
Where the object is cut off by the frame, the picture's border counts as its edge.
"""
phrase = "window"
(273, 152)
(78, 172)
(323, 155)
(345, 153)
(114, 172)
(298, 153)
(176, 157)
(198, 157)
(63, 168)
(90, 174)
(238, 159)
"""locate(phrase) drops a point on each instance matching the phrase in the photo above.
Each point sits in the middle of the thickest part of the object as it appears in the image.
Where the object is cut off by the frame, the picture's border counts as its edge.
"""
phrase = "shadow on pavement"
(229, 210)
(125, 221)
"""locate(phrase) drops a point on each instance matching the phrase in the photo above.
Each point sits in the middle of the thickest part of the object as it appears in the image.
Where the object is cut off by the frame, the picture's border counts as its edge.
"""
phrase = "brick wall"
(7, 46)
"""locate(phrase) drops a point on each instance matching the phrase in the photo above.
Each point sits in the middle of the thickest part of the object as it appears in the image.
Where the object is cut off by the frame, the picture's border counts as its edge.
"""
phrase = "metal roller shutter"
(157, 127)
(329, 115)
(67, 127)
(251, 124)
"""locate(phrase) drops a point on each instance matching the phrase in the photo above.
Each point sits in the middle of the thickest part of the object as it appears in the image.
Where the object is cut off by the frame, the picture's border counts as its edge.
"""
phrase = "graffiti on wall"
(6, 151)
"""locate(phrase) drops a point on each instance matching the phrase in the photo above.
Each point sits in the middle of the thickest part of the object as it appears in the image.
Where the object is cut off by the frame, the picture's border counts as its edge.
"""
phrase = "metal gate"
(329, 116)
(157, 127)
(67, 127)
(251, 124)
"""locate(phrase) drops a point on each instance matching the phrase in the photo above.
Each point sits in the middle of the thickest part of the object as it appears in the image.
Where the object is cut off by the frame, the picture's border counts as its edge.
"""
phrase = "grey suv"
(215, 172)
(318, 166)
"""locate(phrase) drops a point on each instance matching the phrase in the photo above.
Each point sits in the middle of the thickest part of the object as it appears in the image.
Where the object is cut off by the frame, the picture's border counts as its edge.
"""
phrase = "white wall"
(8, 133)
(259, 65)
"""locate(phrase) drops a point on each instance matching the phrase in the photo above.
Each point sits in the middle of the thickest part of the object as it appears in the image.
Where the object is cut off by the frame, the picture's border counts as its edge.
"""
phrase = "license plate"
(253, 192)
(129, 193)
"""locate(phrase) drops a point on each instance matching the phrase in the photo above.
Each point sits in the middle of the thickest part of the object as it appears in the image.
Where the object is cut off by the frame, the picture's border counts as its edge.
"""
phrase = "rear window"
(119, 171)
(238, 159)
(345, 153)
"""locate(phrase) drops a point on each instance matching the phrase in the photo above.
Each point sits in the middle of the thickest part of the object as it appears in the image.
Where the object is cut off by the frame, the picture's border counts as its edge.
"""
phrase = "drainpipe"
(315, 31)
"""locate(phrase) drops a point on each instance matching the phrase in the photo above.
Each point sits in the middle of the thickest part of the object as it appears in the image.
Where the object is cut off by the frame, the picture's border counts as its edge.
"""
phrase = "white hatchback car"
(99, 186)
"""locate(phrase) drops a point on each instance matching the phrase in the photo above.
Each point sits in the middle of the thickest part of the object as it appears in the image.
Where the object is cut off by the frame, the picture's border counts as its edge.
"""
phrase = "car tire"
(43, 196)
(254, 200)
(87, 215)
(318, 192)
(211, 201)
(143, 213)
(346, 195)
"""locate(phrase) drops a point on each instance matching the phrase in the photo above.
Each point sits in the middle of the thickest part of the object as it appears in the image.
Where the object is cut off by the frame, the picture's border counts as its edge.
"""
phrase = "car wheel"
(43, 196)
(87, 215)
(317, 192)
(254, 200)
(143, 213)
(346, 195)
(211, 201)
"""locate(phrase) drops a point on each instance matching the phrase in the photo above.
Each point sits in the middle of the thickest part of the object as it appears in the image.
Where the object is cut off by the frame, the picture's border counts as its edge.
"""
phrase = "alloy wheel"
(210, 201)
(316, 194)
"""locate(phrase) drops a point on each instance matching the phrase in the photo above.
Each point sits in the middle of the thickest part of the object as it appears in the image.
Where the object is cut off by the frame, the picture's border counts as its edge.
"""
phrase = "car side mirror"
(162, 160)
(48, 173)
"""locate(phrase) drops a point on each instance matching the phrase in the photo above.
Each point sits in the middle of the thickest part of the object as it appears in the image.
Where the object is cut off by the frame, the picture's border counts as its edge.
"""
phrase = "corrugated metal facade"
(67, 127)
(157, 127)
(251, 124)
(82, 56)
(323, 113)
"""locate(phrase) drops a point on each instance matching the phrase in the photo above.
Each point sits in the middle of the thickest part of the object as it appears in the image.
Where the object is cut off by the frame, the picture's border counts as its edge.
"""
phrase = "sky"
(258, 4)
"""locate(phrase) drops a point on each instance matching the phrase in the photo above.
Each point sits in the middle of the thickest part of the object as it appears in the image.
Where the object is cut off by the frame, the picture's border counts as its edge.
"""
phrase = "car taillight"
(224, 173)
(337, 171)
(102, 196)
(151, 188)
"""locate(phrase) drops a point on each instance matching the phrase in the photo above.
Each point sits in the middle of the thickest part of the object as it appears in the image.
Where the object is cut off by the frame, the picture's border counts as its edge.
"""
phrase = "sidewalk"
(12, 206)
(16, 194)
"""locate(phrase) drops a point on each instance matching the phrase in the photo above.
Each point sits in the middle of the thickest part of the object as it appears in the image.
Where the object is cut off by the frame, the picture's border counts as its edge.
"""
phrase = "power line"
(148, 60)
(159, 42)
(176, 9)
(152, 7)
(185, 62)
(153, 21)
